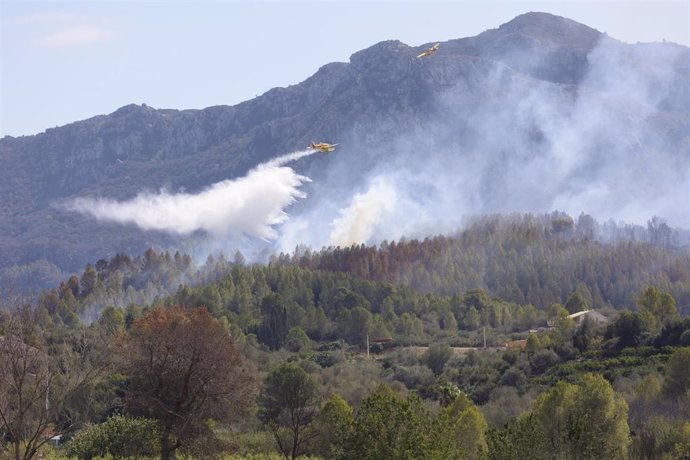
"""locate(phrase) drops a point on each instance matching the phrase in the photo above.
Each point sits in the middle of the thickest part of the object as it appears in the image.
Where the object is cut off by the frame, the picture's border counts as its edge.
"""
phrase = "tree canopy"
(184, 368)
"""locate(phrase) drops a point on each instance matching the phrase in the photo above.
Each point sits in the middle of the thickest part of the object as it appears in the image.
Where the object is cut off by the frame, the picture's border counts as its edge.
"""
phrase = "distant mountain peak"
(133, 108)
(547, 27)
(377, 51)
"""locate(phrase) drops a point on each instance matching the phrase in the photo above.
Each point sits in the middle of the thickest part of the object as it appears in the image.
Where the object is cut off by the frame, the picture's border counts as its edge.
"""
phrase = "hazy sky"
(67, 61)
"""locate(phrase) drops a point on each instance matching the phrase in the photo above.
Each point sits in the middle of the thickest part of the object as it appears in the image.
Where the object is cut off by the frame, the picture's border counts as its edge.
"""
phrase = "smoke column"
(357, 221)
(252, 204)
(614, 146)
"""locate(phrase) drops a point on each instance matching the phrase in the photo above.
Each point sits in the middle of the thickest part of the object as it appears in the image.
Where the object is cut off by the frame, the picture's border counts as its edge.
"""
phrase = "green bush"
(323, 358)
(119, 436)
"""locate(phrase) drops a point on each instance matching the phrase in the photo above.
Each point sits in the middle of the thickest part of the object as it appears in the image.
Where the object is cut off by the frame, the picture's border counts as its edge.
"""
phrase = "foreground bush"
(119, 437)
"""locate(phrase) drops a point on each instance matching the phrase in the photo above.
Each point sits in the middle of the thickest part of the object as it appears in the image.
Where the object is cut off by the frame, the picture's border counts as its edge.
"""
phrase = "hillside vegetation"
(261, 359)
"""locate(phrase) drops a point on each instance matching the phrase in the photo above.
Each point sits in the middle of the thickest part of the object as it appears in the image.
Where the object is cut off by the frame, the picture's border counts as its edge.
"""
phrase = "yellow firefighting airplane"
(429, 51)
(322, 147)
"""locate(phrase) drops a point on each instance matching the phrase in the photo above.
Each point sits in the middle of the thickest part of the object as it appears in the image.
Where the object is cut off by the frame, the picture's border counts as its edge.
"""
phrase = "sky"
(67, 61)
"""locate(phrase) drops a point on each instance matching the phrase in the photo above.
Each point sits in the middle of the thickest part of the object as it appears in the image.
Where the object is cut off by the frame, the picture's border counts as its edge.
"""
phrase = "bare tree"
(184, 368)
(35, 384)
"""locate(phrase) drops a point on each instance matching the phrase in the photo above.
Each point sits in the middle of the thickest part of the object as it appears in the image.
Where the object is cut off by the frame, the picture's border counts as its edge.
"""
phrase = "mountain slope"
(369, 105)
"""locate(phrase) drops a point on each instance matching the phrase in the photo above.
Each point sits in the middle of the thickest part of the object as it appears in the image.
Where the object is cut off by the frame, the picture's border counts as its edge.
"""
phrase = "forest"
(518, 337)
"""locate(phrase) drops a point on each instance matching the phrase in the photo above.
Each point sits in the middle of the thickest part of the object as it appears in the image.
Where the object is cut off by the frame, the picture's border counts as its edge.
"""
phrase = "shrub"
(119, 436)
(542, 360)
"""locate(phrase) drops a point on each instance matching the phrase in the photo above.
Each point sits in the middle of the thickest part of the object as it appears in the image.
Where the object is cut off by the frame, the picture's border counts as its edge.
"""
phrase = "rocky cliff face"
(138, 147)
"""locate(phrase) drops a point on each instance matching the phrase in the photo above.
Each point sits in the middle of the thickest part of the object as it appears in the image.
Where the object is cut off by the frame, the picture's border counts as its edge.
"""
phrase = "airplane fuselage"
(322, 147)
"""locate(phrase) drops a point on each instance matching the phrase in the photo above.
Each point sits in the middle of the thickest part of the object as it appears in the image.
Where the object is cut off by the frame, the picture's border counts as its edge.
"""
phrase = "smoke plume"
(356, 222)
(616, 146)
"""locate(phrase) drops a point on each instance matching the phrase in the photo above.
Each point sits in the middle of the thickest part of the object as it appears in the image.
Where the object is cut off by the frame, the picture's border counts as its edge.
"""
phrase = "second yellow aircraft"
(429, 51)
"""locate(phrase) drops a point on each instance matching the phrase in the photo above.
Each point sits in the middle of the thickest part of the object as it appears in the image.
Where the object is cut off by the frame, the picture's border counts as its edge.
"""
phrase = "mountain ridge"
(139, 148)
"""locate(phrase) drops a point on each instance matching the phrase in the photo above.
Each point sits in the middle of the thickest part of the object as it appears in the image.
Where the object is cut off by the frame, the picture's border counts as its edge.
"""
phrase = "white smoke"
(617, 147)
(252, 204)
(357, 222)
